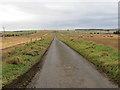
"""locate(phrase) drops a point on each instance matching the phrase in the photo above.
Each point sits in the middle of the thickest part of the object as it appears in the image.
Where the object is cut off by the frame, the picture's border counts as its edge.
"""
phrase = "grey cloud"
(53, 15)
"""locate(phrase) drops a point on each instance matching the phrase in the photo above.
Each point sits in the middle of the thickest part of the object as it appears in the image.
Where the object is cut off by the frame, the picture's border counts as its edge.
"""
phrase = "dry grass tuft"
(14, 60)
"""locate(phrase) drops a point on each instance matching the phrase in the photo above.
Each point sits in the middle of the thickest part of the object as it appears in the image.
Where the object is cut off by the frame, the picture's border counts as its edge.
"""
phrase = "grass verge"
(19, 61)
(104, 57)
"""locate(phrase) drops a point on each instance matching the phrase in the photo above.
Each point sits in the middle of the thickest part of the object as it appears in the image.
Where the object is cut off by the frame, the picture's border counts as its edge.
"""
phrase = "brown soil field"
(105, 39)
(13, 41)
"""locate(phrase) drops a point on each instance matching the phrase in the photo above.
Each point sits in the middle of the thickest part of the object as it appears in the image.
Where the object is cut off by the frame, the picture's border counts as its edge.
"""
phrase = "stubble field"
(12, 41)
(104, 39)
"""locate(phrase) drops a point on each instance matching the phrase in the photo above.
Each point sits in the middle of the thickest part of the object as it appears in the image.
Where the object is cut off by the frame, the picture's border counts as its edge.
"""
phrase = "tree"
(116, 32)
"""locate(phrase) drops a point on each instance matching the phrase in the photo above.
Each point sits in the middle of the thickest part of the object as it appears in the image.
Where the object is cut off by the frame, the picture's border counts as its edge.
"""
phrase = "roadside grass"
(19, 61)
(104, 57)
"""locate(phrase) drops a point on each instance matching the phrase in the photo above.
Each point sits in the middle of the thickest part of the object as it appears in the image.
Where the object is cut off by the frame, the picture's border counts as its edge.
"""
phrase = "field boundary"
(12, 46)
(23, 80)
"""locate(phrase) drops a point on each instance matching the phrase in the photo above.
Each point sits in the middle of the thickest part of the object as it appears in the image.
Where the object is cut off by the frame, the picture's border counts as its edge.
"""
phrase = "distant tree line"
(17, 33)
(95, 33)
(116, 32)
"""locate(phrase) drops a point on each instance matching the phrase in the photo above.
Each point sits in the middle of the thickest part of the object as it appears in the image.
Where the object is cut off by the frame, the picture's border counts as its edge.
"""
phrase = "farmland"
(14, 40)
(104, 39)
(23, 50)
(17, 33)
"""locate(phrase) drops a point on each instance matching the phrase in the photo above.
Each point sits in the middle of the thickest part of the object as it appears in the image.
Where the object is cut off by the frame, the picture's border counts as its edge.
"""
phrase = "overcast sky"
(58, 14)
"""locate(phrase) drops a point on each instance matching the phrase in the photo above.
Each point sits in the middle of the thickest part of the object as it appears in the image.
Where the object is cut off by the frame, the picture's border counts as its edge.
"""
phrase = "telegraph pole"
(3, 31)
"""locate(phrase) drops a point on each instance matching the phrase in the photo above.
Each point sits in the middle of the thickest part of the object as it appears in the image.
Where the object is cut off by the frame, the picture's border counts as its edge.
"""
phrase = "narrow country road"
(64, 68)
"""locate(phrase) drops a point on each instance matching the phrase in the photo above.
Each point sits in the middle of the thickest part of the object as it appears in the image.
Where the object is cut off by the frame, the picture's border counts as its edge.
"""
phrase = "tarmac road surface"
(64, 68)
